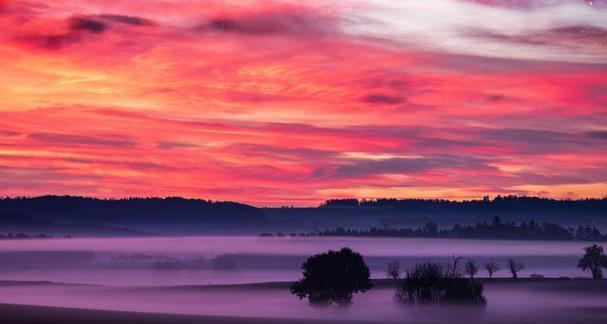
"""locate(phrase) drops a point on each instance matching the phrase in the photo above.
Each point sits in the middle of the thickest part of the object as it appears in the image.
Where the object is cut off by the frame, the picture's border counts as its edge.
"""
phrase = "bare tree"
(471, 268)
(515, 267)
(453, 267)
(491, 267)
(393, 270)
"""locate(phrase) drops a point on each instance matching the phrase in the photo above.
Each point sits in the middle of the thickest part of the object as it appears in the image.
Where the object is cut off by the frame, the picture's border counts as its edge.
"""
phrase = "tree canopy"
(594, 259)
(333, 277)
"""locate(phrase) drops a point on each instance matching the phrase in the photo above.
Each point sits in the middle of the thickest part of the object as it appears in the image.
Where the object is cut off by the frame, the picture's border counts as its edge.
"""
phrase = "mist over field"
(228, 276)
(225, 260)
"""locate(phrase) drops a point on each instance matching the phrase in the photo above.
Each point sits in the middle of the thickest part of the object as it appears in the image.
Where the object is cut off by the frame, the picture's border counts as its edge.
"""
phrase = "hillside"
(131, 213)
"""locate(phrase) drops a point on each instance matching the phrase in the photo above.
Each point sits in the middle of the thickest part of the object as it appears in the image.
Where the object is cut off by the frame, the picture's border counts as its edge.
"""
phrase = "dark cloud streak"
(269, 23)
(129, 20)
(381, 99)
(88, 25)
(50, 42)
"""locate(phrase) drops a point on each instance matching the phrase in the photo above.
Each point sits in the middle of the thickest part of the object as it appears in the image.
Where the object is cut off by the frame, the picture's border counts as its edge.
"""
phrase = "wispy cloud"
(278, 102)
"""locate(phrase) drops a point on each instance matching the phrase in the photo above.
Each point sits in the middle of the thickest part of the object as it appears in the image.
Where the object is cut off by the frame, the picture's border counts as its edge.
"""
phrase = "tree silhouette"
(471, 268)
(333, 276)
(593, 260)
(491, 267)
(515, 267)
(393, 270)
(453, 267)
(430, 229)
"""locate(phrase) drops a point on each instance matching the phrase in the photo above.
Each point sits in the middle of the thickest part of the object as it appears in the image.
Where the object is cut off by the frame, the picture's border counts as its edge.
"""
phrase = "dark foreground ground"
(564, 302)
(56, 315)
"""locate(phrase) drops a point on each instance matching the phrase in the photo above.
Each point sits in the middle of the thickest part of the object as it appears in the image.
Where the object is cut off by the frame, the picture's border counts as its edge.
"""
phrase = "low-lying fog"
(528, 302)
(223, 260)
(164, 275)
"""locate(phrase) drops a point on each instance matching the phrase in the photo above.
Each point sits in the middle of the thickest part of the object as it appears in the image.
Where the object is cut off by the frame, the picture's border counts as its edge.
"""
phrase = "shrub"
(430, 283)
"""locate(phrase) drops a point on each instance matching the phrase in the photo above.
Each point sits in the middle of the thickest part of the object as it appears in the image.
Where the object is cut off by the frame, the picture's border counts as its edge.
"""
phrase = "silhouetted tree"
(515, 267)
(453, 267)
(393, 270)
(491, 267)
(496, 222)
(333, 276)
(430, 229)
(594, 259)
(471, 268)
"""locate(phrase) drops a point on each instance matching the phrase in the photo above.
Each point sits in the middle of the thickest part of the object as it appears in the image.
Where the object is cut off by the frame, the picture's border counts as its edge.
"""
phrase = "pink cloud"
(276, 102)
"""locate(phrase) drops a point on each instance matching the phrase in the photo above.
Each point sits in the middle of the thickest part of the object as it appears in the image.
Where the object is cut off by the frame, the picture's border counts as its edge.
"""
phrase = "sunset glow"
(294, 102)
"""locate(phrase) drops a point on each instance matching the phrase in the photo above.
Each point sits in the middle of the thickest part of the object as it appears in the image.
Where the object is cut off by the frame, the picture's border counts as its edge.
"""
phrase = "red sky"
(294, 102)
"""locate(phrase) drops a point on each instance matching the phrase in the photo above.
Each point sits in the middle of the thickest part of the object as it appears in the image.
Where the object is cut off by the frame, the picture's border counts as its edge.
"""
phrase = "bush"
(430, 283)
(463, 290)
(422, 284)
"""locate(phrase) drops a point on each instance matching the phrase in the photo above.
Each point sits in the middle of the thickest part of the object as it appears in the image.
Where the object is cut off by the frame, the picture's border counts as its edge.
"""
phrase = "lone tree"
(393, 270)
(491, 267)
(333, 277)
(471, 268)
(453, 267)
(515, 267)
(593, 260)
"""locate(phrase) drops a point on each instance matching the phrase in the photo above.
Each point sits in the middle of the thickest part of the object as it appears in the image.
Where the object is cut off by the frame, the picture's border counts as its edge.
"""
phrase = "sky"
(293, 102)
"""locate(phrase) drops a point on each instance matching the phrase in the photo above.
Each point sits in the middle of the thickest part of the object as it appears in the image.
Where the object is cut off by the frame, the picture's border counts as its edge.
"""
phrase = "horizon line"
(320, 204)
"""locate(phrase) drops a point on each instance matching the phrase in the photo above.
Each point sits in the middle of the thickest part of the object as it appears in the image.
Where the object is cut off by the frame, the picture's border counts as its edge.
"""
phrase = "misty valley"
(248, 276)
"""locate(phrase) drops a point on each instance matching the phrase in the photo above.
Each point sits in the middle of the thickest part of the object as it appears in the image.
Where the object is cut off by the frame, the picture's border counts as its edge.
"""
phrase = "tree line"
(511, 203)
(495, 230)
(25, 236)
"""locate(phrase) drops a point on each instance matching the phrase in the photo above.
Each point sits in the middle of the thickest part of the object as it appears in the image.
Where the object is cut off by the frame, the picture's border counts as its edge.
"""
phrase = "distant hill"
(179, 216)
(15, 223)
(8, 218)
(130, 211)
